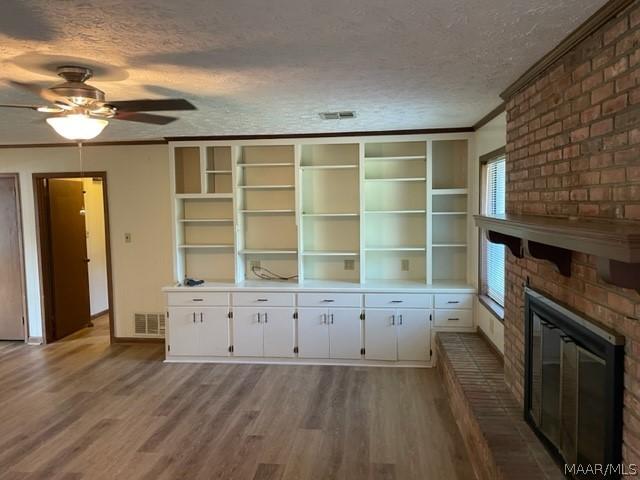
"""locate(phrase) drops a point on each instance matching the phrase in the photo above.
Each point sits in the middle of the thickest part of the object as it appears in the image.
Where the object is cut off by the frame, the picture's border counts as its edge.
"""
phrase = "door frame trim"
(23, 273)
(43, 254)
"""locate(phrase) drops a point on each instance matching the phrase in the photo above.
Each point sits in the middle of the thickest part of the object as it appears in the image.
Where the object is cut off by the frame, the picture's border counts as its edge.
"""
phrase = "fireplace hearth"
(573, 383)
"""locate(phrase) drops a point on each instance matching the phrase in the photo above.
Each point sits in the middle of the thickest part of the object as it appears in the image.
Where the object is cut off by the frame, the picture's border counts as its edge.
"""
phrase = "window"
(493, 255)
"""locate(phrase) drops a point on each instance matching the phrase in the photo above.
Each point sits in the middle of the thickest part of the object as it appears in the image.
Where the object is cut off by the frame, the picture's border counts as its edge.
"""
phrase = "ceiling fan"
(82, 111)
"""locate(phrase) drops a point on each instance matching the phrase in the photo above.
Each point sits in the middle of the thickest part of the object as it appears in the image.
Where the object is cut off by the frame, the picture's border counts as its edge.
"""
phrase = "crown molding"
(489, 116)
(593, 23)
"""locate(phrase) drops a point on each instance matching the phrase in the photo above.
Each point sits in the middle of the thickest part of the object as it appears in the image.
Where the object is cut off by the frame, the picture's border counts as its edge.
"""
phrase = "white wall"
(139, 203)
(96, 245)
(490, 137)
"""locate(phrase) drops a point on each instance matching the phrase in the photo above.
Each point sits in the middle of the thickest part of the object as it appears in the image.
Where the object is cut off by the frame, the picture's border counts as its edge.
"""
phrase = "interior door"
(413, 335)
(11, 286)
(380, 335)
(182, 331)
(69, 272)
(247, 332)
(313, 333)
(213, 331)
(278, 332)
(344, 332)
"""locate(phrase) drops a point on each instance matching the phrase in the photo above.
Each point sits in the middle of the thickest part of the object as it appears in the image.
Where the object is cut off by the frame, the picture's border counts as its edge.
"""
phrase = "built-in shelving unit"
(376, 210)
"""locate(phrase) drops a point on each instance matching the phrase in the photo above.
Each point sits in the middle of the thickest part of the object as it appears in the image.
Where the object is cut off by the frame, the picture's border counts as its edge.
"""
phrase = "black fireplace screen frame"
(587, 333)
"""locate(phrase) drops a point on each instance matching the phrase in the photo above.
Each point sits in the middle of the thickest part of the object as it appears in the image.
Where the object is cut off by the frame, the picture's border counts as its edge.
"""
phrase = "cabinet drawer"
(329, 299)
(178, 299)
(250, 299)
(454, 300)
(399, 300)
(453, 318)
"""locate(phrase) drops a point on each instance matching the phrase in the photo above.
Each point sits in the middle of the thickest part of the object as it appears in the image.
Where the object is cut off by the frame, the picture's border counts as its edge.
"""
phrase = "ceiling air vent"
(149, 324)
(337, 115)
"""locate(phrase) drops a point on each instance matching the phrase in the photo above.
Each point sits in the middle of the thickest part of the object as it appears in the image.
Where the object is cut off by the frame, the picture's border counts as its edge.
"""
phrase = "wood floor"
(81, 409)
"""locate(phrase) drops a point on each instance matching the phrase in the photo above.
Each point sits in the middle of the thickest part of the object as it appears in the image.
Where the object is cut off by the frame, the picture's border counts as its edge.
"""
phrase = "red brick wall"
(573, 148)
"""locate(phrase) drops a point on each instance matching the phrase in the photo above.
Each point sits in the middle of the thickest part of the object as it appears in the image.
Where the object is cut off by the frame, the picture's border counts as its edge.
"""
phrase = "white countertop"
(378, 286)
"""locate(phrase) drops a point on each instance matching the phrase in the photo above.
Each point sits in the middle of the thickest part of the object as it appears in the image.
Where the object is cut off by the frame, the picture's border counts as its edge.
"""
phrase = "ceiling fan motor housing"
(74, 86)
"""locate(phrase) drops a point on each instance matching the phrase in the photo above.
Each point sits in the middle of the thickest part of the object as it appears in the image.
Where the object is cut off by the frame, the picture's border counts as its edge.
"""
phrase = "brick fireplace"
(573, 149)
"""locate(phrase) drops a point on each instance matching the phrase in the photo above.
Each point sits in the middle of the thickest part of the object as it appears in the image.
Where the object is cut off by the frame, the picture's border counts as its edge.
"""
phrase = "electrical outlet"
(404, 265)
(254, 264)
(349, 264)
(127, 238)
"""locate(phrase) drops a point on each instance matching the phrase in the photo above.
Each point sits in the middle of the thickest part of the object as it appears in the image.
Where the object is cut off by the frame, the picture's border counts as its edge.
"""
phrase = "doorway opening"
(13, 324)
(75, 258)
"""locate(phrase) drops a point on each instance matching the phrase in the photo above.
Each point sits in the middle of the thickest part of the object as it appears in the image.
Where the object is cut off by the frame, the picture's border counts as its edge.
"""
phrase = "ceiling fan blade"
(44, 93)
(165, 104)
(9, 105)
(144, 118)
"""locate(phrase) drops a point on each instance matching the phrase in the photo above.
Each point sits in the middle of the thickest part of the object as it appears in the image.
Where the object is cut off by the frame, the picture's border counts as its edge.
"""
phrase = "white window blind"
(495, 254)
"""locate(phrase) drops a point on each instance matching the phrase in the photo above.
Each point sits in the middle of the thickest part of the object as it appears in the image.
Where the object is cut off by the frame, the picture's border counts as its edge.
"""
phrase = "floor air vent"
(337, 115)
(149, 324)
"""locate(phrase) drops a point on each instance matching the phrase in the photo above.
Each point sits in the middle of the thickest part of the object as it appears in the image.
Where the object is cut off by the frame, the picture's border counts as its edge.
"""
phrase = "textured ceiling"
(270, 66)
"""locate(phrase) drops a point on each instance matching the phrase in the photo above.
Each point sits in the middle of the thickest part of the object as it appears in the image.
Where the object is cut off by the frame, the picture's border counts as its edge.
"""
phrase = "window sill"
(494, 308)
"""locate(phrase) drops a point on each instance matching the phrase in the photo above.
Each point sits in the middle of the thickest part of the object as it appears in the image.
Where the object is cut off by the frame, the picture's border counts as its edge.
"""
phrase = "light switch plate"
(404, 265)
(349, 264)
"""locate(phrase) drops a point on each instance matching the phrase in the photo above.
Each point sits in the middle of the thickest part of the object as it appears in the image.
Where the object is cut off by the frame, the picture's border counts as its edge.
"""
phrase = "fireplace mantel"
(615, 243)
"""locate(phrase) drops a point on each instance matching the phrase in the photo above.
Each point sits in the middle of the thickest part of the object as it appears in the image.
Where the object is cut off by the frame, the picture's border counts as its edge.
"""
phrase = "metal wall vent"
(149, 324)
(337, 115)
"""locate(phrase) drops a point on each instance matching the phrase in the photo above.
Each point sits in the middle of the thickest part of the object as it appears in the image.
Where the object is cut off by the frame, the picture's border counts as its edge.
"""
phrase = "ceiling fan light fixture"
(77, 126)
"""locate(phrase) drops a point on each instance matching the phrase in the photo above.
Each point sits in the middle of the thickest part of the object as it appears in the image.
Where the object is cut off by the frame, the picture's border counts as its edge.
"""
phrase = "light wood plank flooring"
(82, 409)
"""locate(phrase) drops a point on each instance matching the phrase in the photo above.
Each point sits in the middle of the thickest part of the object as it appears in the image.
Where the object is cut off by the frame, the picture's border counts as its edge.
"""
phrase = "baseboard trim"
(100, 314)
(136, 340)
(35, 341)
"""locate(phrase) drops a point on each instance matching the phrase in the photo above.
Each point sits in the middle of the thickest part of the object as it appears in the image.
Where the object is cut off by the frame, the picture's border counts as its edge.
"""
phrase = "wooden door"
(247, 332)
(11, 283)
(182, 338)
(213, 331)
(380, 335)
(69, 272)
(344, 332)
(413, 335)
(313, 333)
(278, 332)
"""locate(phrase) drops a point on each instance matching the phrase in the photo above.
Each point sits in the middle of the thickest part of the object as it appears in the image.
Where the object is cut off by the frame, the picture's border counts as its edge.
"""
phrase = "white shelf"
(267, 187)
(397, 212)
(206, 246)
(276, 251)
(328, 167)
(449, 191)
(449, 245)
(399, 158)
(206, 220)
(210, 196)
(449, 213)
(330, 214)
(268, 211)
(395, 249)
(406, 179)
(256, 165)
(326, 253)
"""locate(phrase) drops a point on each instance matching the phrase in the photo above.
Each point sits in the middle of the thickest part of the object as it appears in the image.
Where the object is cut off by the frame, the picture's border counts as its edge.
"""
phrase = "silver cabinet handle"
(201, 315)
(396, 301)
(194, 317)
(263, 300)
(331, 316)
(327, 300)
(197, 299)
(266, 317)
(324, 318)
(453, 319)
(400, 319)
(393, 319)
(259, 319)
(452, 301)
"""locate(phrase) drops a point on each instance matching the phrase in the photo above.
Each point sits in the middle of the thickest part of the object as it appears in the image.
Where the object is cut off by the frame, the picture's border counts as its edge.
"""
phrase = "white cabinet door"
(344, 333)
(413, 335)
(182, 331)
(213, 331)
(247, 332)
(313, 333)
(278, 332)
(380, 335)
